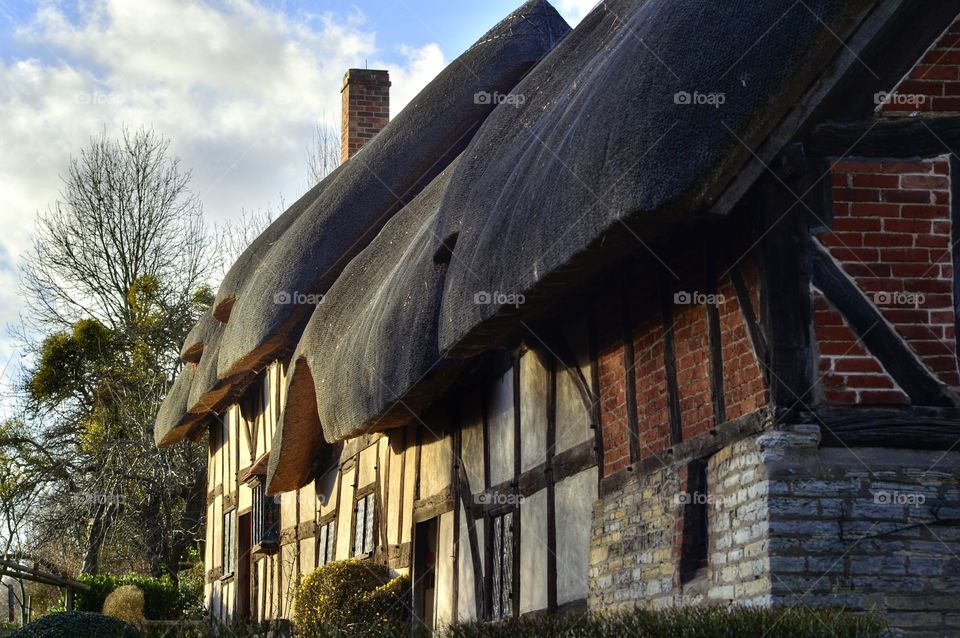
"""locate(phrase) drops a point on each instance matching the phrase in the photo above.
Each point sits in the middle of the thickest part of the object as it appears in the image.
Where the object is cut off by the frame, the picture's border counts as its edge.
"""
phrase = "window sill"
(697, 585)
(227, 578)
(266, 548)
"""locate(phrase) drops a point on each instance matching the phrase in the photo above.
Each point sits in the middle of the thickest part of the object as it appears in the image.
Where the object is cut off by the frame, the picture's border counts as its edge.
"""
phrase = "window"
(268, 420)
(363, 530)
(225, 427)
(229, 541)
(326, 543)
(695, 541)
(266, 519)
(502, 568)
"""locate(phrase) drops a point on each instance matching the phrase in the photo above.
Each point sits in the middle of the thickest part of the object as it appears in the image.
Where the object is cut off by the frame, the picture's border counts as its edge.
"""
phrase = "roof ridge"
(537, 17)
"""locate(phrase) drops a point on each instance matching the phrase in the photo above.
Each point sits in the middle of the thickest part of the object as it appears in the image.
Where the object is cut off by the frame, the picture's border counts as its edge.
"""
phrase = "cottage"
(660, 310)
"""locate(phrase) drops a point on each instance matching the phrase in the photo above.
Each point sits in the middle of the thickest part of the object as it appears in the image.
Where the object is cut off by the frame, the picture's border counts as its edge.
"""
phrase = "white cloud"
(574, 11)
(236, 86)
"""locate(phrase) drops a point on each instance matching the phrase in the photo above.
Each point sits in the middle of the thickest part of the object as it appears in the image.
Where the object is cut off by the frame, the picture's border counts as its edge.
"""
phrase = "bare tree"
(323, 154)
(125, 211)
(234, 236)
(117, 276)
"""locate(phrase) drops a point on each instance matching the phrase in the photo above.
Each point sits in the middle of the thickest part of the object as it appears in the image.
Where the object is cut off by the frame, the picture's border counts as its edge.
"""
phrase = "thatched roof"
(303, 252)
(353, 367)
(601, 152)
(251, 260)
(387, 173)
(594, 152)
(174, 420)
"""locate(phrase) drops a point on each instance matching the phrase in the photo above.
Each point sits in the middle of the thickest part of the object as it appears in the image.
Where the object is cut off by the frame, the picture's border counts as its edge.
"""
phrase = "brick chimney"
(366, 108)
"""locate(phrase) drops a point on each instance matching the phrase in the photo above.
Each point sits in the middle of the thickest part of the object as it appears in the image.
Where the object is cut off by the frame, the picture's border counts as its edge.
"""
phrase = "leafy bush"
(687, 622)
(126, 603)
(192, 603)
(77, 624)
(352, 597)
(162, 599)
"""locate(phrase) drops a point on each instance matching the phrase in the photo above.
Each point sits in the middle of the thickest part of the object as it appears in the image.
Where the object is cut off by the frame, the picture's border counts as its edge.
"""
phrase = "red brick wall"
(891, 234)
(652, 412)
(744, 389)
(365, 108)
(613, 387)
(933, 85)
(848, 373)
(692, 350)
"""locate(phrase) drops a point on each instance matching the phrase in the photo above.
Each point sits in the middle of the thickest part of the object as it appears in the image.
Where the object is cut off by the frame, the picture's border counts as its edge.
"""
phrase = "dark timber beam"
(487, 521)
(784, 293)
(715, 343)
(700, 446)
(669, 361)
(750, 318)
(898, 34)
(456, 471)
(874, 332)
(910, 428)
(517, 470)
(562, 466)
(900, 138)
(954, 242)
(629, 371)
(551, 445)
(595, 387)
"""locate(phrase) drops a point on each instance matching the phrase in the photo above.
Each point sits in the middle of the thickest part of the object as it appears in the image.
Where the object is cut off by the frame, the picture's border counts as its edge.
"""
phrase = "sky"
(236, 85)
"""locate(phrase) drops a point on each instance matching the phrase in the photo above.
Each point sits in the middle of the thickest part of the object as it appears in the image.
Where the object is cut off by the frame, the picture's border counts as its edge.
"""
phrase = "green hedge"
(352, 598)
(77, 624)
(162, 599)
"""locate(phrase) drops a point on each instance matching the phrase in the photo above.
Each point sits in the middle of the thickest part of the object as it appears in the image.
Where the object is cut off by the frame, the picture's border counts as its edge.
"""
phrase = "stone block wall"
(869, 528)
(635, 541)
(792, 523)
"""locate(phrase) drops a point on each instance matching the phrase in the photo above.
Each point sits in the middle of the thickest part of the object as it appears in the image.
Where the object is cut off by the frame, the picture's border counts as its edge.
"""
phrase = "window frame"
(368, 524)
(228, 549)
(501, 599)
(326, 550)
(266, 519)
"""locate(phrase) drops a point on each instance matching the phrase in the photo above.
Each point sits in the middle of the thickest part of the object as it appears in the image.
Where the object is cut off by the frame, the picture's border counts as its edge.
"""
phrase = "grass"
(689, 622)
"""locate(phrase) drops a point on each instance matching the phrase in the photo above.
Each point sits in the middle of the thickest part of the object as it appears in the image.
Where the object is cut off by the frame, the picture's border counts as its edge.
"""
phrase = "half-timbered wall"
(711, 428)
(782, 444)
(240, 440)
(891, 235)
(682, 375)
(514, 445)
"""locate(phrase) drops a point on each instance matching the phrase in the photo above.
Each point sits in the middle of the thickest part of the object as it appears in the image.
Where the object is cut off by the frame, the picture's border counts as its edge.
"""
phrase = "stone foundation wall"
(635, 541)
(869, 528)
(791, 523)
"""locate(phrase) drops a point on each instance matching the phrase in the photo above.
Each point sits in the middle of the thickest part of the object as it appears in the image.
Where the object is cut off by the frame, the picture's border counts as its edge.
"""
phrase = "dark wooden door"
(424, 571)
